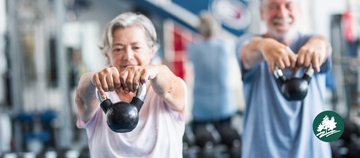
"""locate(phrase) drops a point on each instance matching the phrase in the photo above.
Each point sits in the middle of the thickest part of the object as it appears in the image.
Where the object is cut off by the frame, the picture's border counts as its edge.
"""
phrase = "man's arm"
(315, 51)
(250, 54)
(260, 49)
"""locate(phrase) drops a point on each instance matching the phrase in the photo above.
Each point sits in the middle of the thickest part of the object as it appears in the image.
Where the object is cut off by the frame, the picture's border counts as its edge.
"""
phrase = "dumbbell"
(235, 150)
(16, 155)
(214, 151)
(189, 137)
(206, 133)
(348, 145)
(229, 135)
(208, 138)
(232, 139)
(351, 131)
(354, 149)
(190, 151)
(85, 153)
(61, 153)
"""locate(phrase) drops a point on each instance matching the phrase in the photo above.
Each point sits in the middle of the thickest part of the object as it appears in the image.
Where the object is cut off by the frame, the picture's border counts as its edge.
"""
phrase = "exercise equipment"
(85, 153)
(294, 89)
(235, 151)
(214, 151)
(229, 135)
(122, 116)
(207, 133)
(351, 131)
(190, 150)
(353, 149)
(232, 139)
(348, 145)
(189, 137)
(209, 139)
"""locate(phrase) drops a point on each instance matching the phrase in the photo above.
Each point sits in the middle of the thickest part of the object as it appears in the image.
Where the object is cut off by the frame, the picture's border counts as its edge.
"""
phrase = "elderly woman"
(128, 44)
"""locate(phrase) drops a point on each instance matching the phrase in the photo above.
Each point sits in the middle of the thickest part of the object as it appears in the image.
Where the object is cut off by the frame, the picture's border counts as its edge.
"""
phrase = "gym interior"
(47, 45)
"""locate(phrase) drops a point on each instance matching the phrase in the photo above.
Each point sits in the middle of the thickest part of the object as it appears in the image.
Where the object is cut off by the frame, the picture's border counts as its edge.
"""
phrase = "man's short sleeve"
(241, 42)
(326, 66)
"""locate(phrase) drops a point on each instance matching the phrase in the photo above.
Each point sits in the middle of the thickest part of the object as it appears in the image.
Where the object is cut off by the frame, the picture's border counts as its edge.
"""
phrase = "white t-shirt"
(158, 134)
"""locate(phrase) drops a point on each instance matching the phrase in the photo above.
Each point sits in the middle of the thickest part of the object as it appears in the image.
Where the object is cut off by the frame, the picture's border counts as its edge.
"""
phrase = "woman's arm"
(105, 80)
(169, 87)
(85, 98)
(164, 82)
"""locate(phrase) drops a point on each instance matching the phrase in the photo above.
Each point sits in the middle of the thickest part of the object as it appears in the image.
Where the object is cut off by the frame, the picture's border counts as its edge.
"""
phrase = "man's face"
(281, 17)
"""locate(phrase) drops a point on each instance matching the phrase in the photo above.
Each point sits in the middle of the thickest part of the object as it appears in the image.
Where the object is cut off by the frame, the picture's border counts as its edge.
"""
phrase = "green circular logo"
(328, 126)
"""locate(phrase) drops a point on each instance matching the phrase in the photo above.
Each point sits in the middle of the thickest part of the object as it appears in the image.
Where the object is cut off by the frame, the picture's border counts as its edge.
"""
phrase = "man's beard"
(284, 38)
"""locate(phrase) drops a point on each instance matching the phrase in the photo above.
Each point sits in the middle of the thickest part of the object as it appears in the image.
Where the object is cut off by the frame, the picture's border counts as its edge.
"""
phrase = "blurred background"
(46, 45)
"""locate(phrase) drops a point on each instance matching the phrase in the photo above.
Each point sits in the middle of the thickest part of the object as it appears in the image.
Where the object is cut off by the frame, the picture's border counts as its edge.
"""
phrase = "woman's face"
(129, 48)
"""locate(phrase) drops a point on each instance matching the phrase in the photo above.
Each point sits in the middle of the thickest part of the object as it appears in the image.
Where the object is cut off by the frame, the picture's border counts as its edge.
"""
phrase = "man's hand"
(315, 51)
(277, 53)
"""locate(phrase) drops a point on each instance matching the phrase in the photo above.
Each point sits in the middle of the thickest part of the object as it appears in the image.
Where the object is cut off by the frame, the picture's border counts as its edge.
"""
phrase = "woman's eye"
(136, 47)
(117, 50)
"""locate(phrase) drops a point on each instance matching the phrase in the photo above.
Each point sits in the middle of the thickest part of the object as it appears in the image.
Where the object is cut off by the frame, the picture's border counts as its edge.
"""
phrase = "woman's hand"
(128, 81)
(132, 76)
(106, 80)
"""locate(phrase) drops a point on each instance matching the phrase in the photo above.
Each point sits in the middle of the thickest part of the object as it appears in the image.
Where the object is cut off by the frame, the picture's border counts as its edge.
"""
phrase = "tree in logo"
(326, 127)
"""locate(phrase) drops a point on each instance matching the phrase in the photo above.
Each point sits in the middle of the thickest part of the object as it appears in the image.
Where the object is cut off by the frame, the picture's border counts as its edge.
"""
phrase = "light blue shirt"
(273, 126)
(213, 98)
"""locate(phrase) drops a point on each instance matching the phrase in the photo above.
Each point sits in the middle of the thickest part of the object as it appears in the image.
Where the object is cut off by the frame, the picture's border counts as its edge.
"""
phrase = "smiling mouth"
(282, 21)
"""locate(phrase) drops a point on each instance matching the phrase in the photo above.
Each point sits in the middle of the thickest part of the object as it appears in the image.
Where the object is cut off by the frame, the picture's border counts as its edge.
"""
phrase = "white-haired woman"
(128, 44)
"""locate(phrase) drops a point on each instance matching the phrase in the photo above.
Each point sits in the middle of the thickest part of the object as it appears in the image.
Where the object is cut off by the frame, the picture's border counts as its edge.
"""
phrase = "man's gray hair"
(126, 20)
(208, 25)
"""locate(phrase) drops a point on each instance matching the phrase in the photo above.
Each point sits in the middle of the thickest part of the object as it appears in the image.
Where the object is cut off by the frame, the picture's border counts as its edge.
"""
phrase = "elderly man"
(273, 126)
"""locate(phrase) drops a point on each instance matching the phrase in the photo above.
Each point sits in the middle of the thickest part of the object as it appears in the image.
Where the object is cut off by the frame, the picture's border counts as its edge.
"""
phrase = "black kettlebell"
(122, 116)
(294, 89)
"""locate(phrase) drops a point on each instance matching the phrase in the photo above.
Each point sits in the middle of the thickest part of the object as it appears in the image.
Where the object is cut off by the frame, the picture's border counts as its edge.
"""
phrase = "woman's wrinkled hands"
(109, 79)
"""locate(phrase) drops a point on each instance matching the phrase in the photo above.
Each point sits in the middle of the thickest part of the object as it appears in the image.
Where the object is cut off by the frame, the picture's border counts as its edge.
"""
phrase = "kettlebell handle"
(280, 75)
(141, 93)
(98, 96)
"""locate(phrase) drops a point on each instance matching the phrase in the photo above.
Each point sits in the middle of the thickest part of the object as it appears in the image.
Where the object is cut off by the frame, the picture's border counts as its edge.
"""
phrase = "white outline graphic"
(326, 127)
